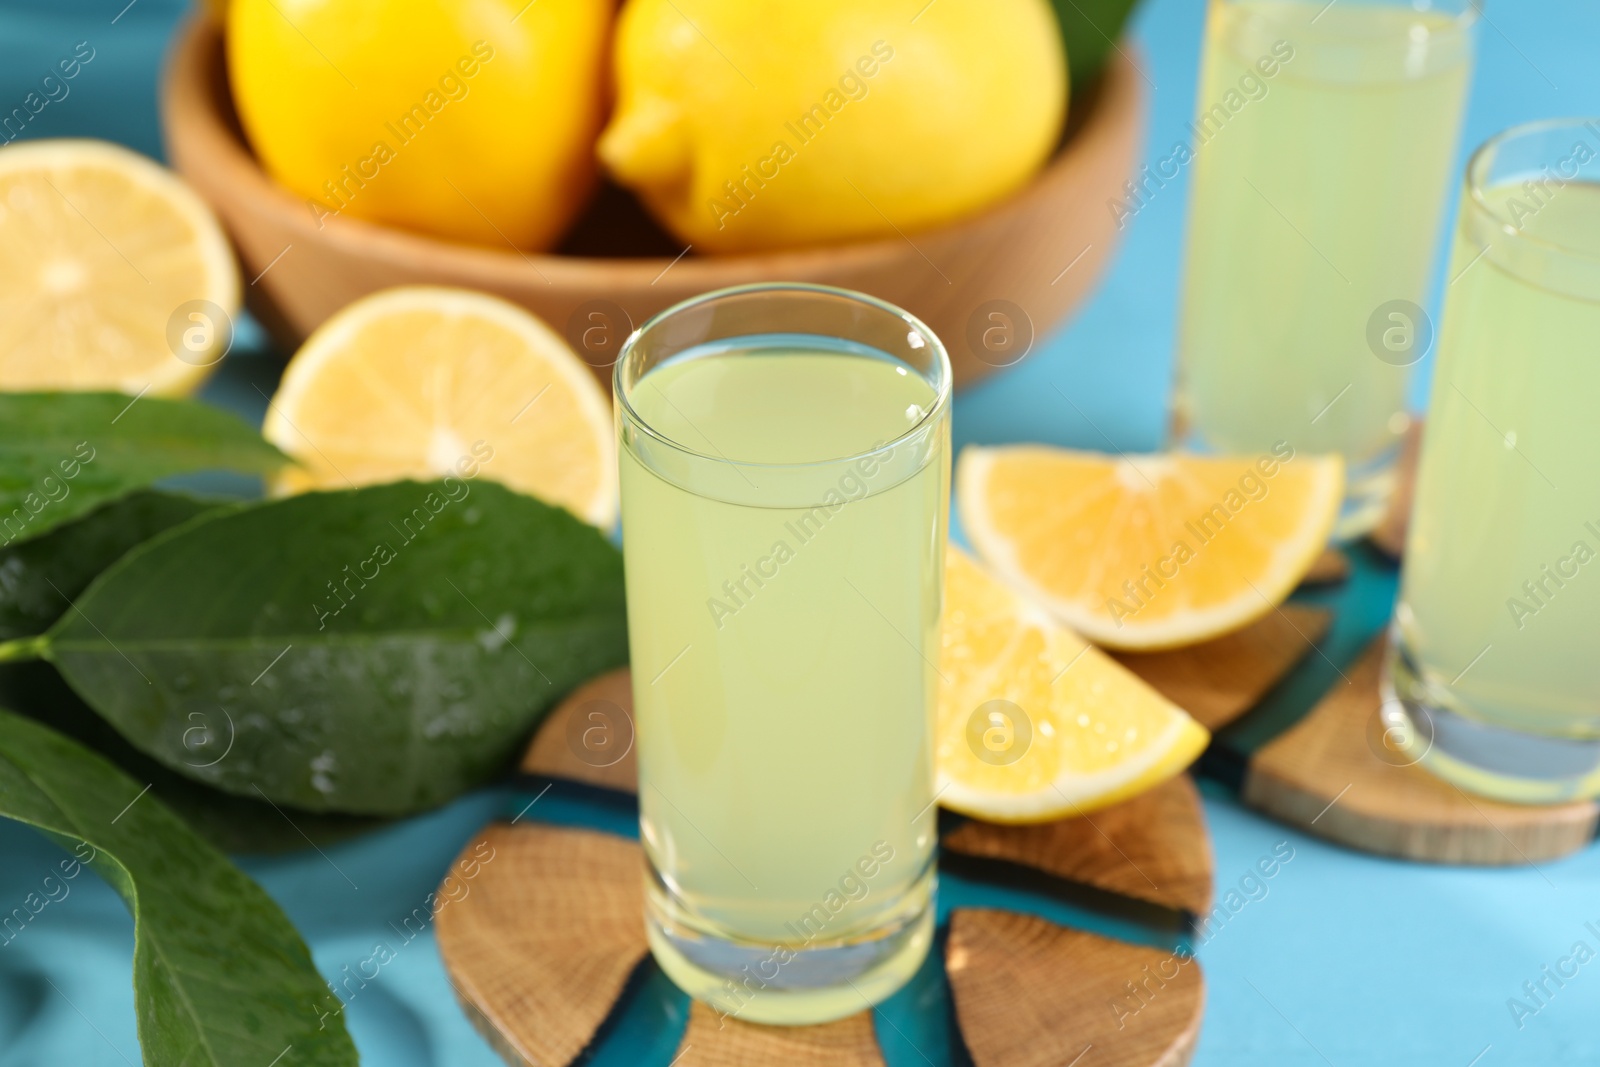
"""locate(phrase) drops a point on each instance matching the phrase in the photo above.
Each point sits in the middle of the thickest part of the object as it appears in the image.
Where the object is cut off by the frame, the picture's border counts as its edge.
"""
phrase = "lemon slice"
(1150, 551)
(423, 382)
(1035, 723)
(113, 274)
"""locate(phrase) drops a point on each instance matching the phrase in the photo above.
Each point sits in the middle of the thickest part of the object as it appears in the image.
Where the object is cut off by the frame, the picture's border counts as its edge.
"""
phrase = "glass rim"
(943, 388)
(1479, 162)
(1463, 19)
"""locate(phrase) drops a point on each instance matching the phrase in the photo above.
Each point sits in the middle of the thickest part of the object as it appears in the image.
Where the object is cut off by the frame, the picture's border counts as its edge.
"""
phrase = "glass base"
(795, 984)
(1494, 761)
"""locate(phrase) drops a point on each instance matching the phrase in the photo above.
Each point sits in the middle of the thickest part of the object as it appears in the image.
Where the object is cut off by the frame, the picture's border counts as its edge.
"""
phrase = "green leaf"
(1089, 28)
(220, 977)
(40, 577)
(64, 454)
(234, 824)
(375, 650)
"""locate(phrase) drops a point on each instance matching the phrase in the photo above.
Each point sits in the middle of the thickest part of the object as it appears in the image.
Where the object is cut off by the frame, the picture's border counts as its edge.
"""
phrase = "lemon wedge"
(1149, 551)
(1035, 723)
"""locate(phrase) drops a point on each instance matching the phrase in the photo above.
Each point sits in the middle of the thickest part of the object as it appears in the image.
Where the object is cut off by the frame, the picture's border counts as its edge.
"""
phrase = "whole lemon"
(468, 119)
(755, 124)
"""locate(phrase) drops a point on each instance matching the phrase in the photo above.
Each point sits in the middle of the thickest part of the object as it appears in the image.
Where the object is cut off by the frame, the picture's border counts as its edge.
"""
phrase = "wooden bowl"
(1028, 260)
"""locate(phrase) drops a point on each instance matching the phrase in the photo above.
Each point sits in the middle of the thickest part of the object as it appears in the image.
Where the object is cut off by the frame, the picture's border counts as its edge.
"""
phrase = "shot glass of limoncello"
(1494, 670)
(1321, 153)
(785, 454)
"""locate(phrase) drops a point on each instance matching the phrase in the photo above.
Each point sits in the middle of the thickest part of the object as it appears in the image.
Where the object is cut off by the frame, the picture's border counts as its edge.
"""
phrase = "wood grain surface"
(543, 940)
(711, 1041)
(1326, 775)
(588, 737)
(1220, 680)
(1153, 848)
(549, 928)
(1330, 568)
(1029, 993)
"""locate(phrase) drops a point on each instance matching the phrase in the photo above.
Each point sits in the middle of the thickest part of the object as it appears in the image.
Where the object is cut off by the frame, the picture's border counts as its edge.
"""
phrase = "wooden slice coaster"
(543, 940)
(711, 1041)
(1153, 848)
(542, 944)
(1330, 568)
(588, 737)
(1326, 776)
(1029, 993)
(1220, 680)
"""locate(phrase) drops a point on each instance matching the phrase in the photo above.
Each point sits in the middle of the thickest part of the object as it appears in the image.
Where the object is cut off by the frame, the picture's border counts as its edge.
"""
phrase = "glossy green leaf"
(375, 650)
(235, 824)
(1090, 29)
(220, 977)
(64, 454)
(40, 577)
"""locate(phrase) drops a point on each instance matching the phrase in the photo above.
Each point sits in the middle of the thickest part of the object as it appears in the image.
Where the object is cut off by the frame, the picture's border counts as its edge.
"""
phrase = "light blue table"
(1348, 960)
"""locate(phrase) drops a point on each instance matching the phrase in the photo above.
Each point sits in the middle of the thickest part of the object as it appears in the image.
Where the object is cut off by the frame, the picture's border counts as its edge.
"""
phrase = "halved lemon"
(113, 274)
(1149, 551)
(423, 382)
(1035, 723)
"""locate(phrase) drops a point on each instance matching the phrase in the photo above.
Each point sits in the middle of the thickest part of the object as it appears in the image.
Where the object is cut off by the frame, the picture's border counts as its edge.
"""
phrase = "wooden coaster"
(1153, 848)
(1325, 775)
(1330, 568)
(1029, 993)
(1220, 680)
(543, 938)
(541, 945)
(711, 1041)
(588, 737)
(542, 942)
